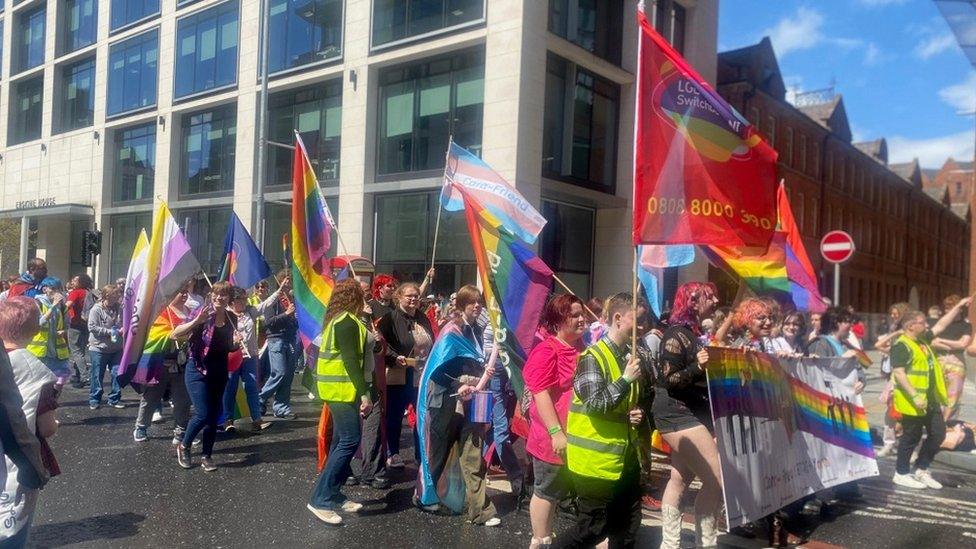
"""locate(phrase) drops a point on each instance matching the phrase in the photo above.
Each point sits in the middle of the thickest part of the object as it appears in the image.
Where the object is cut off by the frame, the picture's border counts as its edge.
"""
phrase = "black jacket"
(397, 330)
(278, 324)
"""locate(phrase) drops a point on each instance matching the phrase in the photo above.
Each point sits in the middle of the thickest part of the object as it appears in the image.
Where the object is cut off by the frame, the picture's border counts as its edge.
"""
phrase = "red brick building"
(957, 178)
(911, 245)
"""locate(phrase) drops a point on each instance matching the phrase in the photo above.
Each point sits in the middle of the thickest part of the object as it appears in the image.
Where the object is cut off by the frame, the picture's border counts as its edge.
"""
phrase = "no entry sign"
(837, 246)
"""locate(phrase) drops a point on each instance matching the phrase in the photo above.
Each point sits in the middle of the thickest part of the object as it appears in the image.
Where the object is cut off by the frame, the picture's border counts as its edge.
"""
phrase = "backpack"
(87, 305)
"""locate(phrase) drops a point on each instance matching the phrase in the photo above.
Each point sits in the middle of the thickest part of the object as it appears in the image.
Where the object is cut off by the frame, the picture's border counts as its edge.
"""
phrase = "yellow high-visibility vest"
(918, 376)
(38, 345)
(331, 377)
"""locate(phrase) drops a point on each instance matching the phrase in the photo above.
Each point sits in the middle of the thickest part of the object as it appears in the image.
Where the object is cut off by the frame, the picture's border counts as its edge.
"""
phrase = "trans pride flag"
(244, 266)
(311, 221)
(465, 171)
(448, 489)
(653, 259)
(782, 271)
(515, 282)
(169, 264)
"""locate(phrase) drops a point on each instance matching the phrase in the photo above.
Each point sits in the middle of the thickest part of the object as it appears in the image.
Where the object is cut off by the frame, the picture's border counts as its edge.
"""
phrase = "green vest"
(598, 443)
(331, 377)
(38, 345)
(918, 377)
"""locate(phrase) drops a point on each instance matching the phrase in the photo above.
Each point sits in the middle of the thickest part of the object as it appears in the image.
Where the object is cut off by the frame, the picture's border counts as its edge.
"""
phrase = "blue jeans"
(205, 392)
(101, 362)
(345, 440)
(248, 373)
(500, 430)
(282, 355)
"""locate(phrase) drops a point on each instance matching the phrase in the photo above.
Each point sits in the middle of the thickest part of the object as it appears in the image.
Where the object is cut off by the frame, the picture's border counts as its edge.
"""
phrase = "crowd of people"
(591, 404)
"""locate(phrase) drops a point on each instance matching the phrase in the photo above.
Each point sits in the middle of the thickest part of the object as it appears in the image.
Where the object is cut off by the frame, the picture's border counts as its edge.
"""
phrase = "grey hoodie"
(101, 320)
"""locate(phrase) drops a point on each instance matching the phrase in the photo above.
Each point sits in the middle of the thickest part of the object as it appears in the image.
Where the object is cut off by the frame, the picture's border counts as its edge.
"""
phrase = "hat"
(51, 282)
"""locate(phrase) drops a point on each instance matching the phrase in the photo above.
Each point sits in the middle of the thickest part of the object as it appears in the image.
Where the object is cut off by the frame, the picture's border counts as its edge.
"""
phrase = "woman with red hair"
(683, 416)
(382, 295)
(753, 320)
(548, 374)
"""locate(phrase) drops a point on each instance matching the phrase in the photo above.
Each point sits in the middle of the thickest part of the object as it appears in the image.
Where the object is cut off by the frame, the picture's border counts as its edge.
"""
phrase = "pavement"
(115, 492)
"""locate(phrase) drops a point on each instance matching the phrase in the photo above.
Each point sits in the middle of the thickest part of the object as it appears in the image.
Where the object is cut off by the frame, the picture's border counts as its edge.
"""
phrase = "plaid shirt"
(598, 394)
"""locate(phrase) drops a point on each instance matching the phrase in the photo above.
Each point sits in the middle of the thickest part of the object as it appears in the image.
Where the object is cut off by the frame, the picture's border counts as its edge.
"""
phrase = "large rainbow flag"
(311, 221)
(782, 271)
(158, 345)
(515, 283)
(169, 263)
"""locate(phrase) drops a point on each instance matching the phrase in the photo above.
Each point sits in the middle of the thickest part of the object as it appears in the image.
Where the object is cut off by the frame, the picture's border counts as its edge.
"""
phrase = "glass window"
(80, 24)
(566, 244)
(126, 12)
(30, 38)
(26, 107)
(206, 50)
(678, 28)
(205, 230)
(135, 163)
(277, 224)
(132, 73)
(580, 132)
(209, 148)
(124, 231)
(404, 235)
(316, 113)
(594, 25)
(305, 31)
(395, 20)
(77, 95)
(423, 105)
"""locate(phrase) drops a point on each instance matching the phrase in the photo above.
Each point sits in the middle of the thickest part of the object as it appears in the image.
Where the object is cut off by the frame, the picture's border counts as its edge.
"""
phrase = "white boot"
(670, 527)
(706, 534)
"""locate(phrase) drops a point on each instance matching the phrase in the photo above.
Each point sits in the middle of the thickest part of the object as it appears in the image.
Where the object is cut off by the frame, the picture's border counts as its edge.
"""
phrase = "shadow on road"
(105, 527)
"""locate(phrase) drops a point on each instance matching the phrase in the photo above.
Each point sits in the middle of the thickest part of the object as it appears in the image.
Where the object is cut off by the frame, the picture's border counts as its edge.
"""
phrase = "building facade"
(107, 106)
(910, 244)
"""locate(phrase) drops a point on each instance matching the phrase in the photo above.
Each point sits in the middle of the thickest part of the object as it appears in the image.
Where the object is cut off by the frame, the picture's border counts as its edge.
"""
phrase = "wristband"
(554, 429)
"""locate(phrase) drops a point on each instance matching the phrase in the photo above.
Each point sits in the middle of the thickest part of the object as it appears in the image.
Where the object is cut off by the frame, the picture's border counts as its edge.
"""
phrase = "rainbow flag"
(311, 277)
(782, 271)
(169, 264)
(158, 344)
(244, 265)
(515, 283)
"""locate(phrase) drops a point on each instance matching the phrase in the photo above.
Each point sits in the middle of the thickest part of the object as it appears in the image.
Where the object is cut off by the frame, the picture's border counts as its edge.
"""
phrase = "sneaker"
(925, 477)
(260, 425)
(886, 450)
(351, 506)
(230, 427)
(287, 416)
(380, 483)
(325, 515)
(650, 503)
(907, 481)
(311, 396)
(395, 462)
(177, 439)
(813, 507)
(140, 435)
(208, 464)
(352, 481)
(493, 522)
(157, 417)
(183, 456)
(94, 406)
(432, 508)
(116, 405)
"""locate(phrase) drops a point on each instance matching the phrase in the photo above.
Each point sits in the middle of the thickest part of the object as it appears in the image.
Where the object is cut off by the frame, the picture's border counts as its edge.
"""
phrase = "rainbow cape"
(515, 283)
(758, 385)
(311, 277)
(158, 345)
(782, 271)
(448, 488)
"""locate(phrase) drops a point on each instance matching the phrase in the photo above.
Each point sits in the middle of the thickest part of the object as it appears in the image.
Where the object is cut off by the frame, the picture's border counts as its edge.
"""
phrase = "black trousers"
(372, 449)
(606, 509)
(912, 427)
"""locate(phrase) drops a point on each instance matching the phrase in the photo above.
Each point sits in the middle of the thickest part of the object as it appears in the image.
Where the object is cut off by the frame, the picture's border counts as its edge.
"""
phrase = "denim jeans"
(345, 440)
(501, 431)
(101, 362)
(205, 392)
(248, 373)
(282, 356)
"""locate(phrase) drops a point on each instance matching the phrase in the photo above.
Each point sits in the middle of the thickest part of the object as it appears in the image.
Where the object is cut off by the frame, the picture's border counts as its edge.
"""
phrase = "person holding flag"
(283, 349)
(246, 336)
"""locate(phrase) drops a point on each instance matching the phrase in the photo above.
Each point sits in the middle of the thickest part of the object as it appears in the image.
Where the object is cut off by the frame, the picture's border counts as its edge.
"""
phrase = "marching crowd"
(587, 415)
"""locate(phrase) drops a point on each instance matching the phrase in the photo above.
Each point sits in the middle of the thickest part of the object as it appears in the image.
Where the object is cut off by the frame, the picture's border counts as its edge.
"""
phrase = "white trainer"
(493, 522)
(886, 450)
(925, 477)
(395, 462)
(907, 481)
(351, 506)
(325, 515)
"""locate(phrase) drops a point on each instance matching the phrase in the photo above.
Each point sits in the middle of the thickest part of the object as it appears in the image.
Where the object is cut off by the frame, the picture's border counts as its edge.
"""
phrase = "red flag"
(702, 175)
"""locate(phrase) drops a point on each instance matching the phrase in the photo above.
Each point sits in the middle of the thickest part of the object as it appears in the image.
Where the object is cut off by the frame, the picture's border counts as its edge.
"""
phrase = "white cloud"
(872, 54)
(794, 85)
(961, 96)
(934, 45)
(799, 31)
(932, 152)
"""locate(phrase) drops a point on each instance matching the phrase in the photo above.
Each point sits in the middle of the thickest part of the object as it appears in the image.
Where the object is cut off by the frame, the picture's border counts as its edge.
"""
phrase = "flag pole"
(440, 207)
(571, 292)
(633, 333)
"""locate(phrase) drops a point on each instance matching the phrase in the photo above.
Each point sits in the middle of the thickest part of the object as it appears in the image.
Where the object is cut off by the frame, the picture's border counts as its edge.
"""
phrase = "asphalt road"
(115, 492)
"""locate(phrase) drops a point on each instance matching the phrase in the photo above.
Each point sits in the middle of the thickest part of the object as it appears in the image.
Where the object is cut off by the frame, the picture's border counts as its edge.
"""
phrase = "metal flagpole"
(262, 124)
(440, 207)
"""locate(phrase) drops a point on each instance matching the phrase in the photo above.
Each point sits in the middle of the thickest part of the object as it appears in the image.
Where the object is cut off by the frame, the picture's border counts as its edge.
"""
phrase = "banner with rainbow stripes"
(785, 428)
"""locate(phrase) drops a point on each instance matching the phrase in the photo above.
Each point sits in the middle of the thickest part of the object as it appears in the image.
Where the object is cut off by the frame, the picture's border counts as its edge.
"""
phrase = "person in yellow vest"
(919, 395)
(602, 435)
(340, 382)
(51, 343)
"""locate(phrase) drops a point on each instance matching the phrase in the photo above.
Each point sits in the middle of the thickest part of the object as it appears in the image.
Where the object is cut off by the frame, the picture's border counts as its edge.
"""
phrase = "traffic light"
(91, 245)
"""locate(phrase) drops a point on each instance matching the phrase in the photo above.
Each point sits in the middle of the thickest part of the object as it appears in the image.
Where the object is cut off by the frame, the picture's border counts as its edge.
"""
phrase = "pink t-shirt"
(550, 365)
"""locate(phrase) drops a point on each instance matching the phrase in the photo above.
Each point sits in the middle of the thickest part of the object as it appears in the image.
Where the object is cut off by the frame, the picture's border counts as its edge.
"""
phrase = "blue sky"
(897, 64)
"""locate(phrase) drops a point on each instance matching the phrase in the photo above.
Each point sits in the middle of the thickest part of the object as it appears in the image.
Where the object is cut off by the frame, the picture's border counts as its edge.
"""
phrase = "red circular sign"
(837, 246)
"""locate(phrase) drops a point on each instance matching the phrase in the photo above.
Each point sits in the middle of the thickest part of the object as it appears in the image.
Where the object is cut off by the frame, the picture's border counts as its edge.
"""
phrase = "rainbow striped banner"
(785, 428)
(311, 221)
